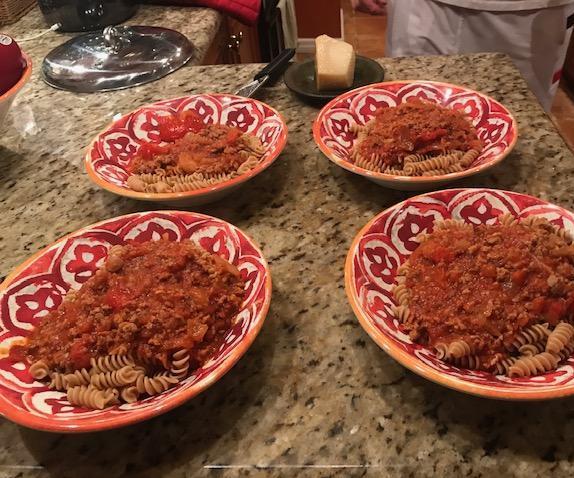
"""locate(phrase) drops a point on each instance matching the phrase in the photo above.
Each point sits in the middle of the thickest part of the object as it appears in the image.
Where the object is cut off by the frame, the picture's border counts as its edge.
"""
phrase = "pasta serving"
(152, 314)
(498, 298)
(192, 155)
(416, 138)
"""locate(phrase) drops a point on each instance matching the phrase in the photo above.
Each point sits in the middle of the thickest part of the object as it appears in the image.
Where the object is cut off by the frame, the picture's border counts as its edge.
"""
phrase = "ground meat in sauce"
(212, 149)
(150, 299)
(484, 284)
(417, 127)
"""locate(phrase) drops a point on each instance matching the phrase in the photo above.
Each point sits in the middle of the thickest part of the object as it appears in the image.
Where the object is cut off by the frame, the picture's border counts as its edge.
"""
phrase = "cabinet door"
(243, 43)
(218, 51)
(569, 65)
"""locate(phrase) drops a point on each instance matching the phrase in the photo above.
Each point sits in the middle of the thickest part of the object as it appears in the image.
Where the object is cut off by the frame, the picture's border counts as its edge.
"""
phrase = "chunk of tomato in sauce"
(17, 353)
(192, 121)
(489, 270)
(174, 127)
(519, 277)
(117, 298)
(79, 354)
(438, 254)
(148, 151)
(537, 305)
(171, 128)
(554, 310)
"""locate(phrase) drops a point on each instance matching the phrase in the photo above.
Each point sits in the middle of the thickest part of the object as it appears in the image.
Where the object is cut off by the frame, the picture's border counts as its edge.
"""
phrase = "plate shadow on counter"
(359, 189)
(267, 189)
(210, 428)
(9, 160)
(481, 437)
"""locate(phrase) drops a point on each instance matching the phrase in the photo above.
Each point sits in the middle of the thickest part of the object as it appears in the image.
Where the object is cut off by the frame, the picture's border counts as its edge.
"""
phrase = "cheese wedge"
(334, 63)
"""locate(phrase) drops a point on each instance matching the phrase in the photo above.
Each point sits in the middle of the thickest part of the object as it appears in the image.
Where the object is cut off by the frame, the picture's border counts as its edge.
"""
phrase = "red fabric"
(246, 11)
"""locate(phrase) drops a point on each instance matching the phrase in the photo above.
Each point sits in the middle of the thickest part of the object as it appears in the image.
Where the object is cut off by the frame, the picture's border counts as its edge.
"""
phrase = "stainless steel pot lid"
(119, 57)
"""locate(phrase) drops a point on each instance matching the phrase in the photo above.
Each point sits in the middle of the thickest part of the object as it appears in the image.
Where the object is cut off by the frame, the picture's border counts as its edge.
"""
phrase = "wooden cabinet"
(233, 43)
(568, 70)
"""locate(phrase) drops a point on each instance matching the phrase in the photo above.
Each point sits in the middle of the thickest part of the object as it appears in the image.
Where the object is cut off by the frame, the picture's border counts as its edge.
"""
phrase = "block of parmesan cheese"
(334, 63)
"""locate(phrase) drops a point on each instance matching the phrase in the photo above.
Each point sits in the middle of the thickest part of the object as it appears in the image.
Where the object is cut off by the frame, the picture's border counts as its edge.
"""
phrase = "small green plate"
(300, 78)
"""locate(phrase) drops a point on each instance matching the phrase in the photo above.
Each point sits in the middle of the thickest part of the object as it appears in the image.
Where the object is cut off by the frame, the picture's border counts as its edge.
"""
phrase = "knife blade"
(270, 72)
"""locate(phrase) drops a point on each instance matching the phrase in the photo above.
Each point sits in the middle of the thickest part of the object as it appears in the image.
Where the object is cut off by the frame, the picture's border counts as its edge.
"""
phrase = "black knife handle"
(277, 65)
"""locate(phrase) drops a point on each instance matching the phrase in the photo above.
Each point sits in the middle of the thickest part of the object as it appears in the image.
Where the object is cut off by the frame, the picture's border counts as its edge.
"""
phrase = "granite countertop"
(314, 396)
(200, 25)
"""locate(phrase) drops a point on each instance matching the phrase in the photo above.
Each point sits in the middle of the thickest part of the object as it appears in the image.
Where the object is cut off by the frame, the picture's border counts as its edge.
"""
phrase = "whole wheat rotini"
(39, 370)
(458, 349)
(533, 334)
(471, 362)
(179, 364)
(117, 378)
(526, 366)
(532, 349)
(559, 337)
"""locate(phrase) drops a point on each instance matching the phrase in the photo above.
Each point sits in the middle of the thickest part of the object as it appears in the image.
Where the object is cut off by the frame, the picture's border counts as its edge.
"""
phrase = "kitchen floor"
(367, 34)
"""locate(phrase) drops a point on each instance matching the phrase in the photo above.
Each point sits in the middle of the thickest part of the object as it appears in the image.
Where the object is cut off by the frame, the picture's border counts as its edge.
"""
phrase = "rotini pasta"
(501, 367)
(39, 370)
(415, 158)
(468, 158)
(179, 364)
(468, 361)
(438, 162)
(453, 224)
(566, 352)
(403, 269)
(130, 394)
(95, 388)
(453, 168)
(459, 349)
(90, 397)
(533, 334)
(526, 366)
(532, 349)
(117, 378)
(559, 337)
(109, 363)
(58, 381)
(461, 269)
(401, 294)
(441, 350)
(402, 313)
(159, 383)
(79, 377)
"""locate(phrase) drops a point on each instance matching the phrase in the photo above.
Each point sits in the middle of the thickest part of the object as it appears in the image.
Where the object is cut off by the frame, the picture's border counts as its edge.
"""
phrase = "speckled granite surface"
(199, 25)
(314, 396)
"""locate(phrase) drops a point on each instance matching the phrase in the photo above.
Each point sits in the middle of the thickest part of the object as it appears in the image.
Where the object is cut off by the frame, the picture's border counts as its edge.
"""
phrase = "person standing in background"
(534, 33)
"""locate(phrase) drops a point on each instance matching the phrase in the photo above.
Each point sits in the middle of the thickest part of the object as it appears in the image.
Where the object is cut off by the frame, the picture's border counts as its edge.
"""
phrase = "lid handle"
(113, 38)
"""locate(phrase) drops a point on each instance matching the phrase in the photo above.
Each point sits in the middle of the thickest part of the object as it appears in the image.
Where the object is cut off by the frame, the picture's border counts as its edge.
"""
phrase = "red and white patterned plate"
(38, 286)
(112, 150)
(496, 126)
(387, 241)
